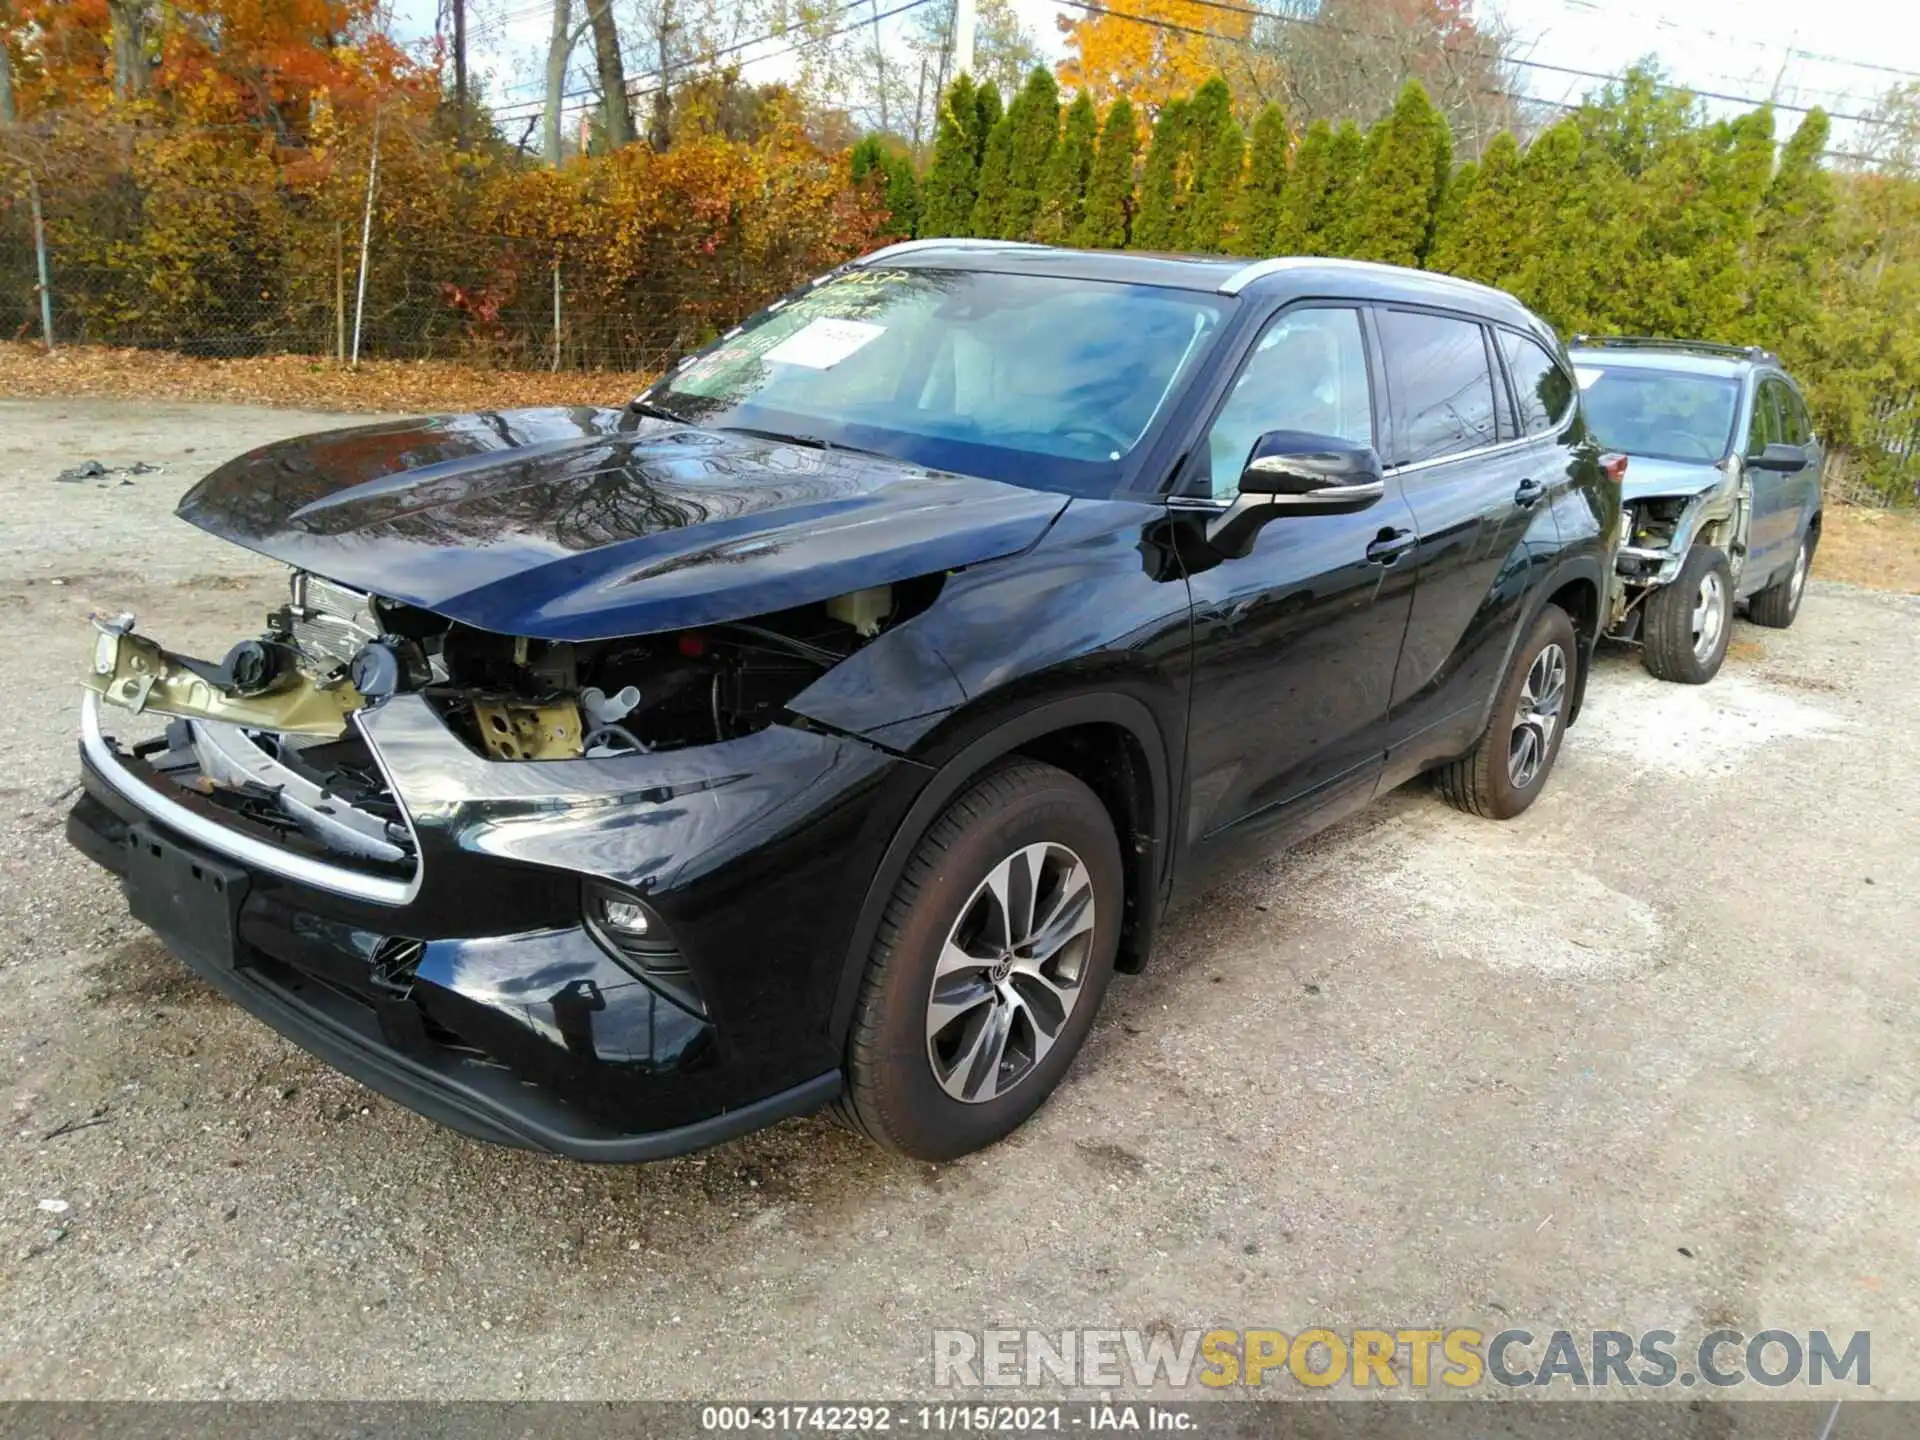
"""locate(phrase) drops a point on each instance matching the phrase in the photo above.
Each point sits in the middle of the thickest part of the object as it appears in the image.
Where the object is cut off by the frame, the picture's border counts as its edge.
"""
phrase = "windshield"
(1029, 379)
(1662, 414)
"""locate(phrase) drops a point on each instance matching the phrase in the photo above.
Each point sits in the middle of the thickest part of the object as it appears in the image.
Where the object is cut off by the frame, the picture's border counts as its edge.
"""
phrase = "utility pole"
(460, 74)
(963, 28)
(366, 241)
(880, 66)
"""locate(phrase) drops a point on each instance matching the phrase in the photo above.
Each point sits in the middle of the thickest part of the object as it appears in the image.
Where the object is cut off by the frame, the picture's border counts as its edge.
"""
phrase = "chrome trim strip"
(380, 890)
(228, 756)
(1495, 449)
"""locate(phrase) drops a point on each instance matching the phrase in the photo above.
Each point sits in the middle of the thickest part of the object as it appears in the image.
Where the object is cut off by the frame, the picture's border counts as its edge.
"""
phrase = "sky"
(1840, 54)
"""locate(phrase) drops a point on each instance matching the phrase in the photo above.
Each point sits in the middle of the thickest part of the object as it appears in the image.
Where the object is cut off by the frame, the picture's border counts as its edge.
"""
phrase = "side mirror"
(1296, 472)
(1780, 456)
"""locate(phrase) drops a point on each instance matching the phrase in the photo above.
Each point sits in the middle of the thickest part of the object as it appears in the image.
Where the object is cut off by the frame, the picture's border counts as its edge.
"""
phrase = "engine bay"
(331, 651)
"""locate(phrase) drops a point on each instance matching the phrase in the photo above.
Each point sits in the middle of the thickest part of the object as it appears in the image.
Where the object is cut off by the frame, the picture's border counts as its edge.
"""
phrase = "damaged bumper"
(445, 951)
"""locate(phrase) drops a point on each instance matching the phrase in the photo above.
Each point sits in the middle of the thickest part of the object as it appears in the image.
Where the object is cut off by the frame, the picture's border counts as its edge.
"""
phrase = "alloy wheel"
(1801, 564)
(1536, 716)
(1709, 616)
(1009, 975)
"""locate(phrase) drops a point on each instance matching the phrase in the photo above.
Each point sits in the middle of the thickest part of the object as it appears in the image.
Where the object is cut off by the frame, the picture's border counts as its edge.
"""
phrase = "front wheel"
(1688, 623)
(1776, 606)
(1508, 766)
(989, 966)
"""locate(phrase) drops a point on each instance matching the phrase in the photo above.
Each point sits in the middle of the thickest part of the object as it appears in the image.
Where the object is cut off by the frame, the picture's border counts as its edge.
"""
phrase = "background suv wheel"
(1778, 604)
(989, 966)
(1688, 623)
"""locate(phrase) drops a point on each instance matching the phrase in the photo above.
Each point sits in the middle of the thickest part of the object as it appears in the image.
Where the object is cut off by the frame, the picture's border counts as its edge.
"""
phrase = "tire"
(1776, 606)
(1505, 771)
(1016, 819)
(1685, 632)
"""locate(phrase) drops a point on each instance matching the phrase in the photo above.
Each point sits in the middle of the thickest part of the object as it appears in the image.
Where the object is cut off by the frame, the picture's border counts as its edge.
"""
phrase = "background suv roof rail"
(1654, 342)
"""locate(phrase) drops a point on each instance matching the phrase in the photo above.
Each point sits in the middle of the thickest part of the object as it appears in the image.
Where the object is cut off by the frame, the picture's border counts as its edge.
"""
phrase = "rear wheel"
(1508, 767)
(1688, 623)
(989, 966)
(1778, 604)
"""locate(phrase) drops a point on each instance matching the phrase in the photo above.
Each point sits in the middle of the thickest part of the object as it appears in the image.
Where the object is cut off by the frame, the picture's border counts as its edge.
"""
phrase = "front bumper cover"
(510, 1022)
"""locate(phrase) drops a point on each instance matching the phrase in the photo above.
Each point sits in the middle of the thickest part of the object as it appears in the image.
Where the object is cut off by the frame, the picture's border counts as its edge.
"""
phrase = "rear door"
(1482, 500)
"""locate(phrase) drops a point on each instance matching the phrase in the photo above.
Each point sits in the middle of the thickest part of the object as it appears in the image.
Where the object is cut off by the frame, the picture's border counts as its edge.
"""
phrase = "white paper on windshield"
(822, 344)
(1585, 375)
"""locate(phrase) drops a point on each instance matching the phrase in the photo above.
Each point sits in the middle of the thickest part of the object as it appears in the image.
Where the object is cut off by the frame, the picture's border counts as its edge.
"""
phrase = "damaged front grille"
(327, 795)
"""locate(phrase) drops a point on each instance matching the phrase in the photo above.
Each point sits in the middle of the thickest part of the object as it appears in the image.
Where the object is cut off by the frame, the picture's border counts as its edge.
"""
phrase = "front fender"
(965, 746)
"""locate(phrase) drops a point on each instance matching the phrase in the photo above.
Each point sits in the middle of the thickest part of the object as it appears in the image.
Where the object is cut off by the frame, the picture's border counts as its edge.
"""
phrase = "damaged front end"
(478, 870)
(1663, 517)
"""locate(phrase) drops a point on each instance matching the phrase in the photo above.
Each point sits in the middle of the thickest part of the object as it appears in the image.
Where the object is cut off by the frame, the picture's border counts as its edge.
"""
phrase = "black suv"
(828, 725)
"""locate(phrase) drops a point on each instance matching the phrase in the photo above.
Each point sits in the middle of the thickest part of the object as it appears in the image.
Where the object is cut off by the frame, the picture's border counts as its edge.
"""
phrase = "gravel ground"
(1644, 1058)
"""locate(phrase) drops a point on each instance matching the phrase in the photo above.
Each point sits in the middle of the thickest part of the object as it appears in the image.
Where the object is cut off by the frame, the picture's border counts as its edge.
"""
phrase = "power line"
(1665, 23)
(1236, 9)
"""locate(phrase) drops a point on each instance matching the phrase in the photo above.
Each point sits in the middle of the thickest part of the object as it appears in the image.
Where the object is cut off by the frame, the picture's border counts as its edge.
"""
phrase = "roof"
(1303, 275)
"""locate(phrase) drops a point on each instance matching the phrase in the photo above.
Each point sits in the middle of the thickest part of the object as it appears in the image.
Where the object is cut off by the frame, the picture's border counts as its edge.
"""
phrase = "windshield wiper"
(811, 442)
(640, 405)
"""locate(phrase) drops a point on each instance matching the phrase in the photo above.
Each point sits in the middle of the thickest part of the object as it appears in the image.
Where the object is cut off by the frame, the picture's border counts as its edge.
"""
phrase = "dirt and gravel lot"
(1645, 1058)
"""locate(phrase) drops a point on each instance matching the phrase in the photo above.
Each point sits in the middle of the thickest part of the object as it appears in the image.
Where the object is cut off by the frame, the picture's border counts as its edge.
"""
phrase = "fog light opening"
(628, 929)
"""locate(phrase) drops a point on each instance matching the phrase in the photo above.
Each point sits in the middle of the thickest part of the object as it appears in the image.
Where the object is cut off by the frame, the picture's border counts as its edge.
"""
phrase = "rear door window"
(1543, 389)
(1439, 383)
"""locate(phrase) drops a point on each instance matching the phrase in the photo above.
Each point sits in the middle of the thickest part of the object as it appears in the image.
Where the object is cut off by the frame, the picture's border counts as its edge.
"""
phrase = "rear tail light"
(1615, 466)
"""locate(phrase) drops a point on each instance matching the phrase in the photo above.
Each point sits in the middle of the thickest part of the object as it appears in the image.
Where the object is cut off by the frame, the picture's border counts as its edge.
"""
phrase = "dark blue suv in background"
(1722, 492)
(827, 725)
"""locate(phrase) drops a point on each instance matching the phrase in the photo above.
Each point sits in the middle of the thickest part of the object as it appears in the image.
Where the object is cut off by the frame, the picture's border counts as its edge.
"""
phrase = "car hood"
(1650, 477)
(585, 524)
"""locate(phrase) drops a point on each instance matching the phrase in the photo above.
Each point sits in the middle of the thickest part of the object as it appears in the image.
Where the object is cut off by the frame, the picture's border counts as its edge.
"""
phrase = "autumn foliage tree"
(1147, 51)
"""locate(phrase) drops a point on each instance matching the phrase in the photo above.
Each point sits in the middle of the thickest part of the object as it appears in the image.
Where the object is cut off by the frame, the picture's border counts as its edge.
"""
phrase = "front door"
(1294, 643)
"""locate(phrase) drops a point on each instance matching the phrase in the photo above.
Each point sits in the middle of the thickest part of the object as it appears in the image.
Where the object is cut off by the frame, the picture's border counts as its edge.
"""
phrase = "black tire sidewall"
(1777, 607)
(1670, 609)
(916, 1115)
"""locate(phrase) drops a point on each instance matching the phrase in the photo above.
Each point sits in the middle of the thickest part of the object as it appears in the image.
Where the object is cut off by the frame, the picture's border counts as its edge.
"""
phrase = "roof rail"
(1654, 342)
(958, 242)
(1256, 269)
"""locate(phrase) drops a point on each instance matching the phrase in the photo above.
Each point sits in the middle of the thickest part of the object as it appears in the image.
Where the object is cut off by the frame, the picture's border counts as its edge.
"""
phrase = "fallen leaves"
(300, 381)
(1876, 548)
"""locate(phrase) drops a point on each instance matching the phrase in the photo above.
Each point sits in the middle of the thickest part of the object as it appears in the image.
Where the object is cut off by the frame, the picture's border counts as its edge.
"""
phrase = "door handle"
(1530, 494)
(1389, 545)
